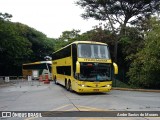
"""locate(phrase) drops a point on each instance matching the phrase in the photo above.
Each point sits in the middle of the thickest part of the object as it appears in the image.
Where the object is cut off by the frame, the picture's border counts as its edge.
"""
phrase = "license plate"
(95, 90)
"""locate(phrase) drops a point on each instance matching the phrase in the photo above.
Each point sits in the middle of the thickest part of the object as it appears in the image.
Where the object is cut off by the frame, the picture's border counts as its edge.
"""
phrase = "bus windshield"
(93, 51)
(95, 72)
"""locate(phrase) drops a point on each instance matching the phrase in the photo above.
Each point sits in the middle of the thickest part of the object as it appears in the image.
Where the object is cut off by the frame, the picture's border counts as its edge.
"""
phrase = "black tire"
(66, 85)
(69, 86)
(55, 81)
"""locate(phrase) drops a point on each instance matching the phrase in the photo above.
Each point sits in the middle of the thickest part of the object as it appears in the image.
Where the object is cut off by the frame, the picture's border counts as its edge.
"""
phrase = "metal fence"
(120, 80)
(19, 81)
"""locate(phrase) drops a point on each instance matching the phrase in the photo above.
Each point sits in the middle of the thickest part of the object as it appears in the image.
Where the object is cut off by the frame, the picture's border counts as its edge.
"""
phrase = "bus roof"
(89, 42)
(38, 62)
(77, 42)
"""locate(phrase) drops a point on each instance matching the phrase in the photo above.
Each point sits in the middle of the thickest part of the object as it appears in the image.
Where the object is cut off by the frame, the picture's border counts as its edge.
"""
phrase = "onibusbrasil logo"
(20, 114)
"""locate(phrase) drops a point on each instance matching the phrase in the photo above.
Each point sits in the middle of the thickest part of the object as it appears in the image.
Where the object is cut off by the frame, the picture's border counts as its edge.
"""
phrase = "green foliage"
(132, 41)
(59, 44)
(99, 35)
(41, 45)
(69, 35)
(12, 45)
(145, 68)
(118, 11)
(13, 48)
(20, 44)
(66, 38)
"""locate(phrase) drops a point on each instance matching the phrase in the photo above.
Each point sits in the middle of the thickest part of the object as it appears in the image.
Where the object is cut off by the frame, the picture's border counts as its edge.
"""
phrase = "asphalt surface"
(37, 96)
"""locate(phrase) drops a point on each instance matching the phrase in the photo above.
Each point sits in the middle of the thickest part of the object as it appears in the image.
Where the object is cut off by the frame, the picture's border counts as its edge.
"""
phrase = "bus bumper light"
(108, 85)
(81, 85)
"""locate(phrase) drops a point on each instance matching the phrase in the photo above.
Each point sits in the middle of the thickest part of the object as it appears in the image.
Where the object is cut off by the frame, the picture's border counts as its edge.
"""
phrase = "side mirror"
(77, 67)
(115, 68)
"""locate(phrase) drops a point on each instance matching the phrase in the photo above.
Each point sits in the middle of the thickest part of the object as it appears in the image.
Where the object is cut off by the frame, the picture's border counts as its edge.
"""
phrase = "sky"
(50, 17)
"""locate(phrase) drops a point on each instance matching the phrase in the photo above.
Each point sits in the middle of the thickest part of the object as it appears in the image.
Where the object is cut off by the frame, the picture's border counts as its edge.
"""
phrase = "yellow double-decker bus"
(37, 69)
(84, 66)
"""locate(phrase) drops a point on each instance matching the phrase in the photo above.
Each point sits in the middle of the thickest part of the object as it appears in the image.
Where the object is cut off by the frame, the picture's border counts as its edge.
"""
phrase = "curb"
(140, 90)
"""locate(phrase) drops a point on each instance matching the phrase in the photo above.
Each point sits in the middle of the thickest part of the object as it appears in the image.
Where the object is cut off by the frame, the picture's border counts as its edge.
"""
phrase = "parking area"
(23, 95)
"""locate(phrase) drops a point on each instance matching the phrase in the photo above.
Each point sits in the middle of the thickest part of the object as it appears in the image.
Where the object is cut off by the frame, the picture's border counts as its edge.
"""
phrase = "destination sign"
(94, 60)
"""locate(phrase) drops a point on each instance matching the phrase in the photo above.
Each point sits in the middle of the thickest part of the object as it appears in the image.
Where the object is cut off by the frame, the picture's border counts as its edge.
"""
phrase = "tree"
(41, 45)
(14, 49)
(99, 35)
(69, 35)
(66, 38)
(118, 12)
(145, 68)
(5, 16)
(21, 44)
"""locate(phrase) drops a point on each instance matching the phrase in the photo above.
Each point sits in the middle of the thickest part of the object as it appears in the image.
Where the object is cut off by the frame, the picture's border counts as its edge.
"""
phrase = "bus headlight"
(82, 85)
(108, 85)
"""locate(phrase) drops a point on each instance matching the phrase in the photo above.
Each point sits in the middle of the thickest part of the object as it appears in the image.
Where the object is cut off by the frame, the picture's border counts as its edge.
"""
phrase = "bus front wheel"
(55, 81)
(69, 86)
(66, 84)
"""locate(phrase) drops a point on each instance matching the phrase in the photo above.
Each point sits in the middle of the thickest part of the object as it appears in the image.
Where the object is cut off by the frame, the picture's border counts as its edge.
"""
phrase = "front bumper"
(81, 89)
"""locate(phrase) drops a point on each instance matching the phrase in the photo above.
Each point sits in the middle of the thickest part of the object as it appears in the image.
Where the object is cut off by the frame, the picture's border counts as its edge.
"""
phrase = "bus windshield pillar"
(77, 67)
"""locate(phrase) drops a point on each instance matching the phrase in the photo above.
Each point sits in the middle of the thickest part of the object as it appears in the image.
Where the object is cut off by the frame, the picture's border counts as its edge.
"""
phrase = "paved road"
(36, 96)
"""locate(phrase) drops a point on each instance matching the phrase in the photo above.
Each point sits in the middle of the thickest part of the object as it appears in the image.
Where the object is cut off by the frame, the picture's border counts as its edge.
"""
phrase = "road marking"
(72, 109)
(64, 106)
(81, 108)
(31, 118)
(89, 108)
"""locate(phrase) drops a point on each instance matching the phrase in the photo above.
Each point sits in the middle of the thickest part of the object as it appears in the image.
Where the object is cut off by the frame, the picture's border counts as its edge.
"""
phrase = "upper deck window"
(93, 51)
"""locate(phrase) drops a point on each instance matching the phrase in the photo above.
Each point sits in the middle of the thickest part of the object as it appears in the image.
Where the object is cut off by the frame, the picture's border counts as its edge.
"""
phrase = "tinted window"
(66, 52)
(93, 51)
